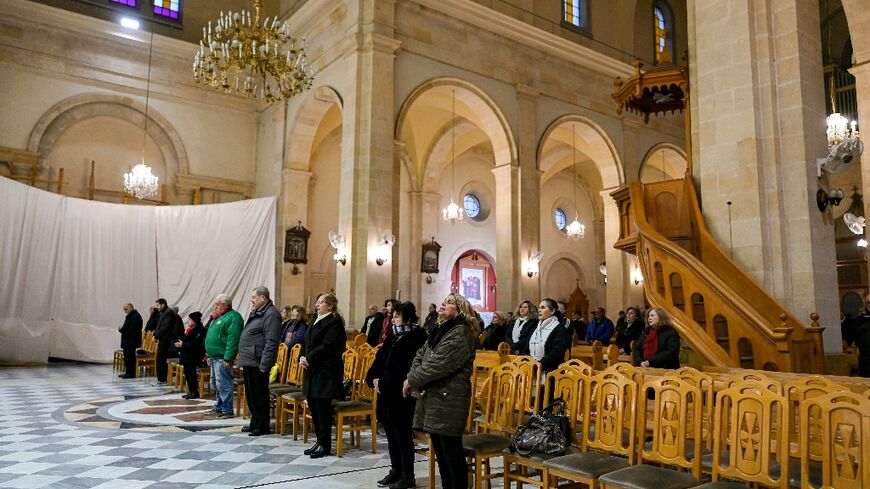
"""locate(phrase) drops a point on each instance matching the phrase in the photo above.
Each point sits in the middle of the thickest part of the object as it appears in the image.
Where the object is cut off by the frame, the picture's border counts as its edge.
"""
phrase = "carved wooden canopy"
(652, 92)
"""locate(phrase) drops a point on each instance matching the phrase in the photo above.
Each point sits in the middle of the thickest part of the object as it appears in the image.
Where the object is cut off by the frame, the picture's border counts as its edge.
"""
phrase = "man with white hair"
(221, 347)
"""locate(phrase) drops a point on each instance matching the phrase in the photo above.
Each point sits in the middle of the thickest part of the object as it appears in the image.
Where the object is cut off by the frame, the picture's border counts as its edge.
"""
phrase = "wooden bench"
(592, 355)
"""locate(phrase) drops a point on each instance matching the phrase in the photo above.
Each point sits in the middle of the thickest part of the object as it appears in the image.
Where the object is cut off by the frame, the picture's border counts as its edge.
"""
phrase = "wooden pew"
(591, 355)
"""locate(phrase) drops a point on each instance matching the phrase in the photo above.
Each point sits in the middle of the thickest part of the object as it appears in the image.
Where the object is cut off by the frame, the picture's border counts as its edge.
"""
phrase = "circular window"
(559, 219)
(472, 206)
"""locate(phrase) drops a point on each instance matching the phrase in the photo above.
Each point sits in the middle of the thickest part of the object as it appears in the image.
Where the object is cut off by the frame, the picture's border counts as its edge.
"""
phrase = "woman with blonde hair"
(440, 379)
(659, 344)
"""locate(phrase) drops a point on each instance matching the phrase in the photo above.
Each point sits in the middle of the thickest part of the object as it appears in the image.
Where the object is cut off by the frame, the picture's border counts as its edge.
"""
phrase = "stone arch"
(572, 260)
(858, 18)
(440, 153)
(486, 115)
(447, 268)
(592, 141)
(308, 118)
(68, 112)
(674, 157)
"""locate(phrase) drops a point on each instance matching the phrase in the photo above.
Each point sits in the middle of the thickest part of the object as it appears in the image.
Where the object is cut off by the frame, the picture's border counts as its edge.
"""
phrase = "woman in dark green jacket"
(440, 379)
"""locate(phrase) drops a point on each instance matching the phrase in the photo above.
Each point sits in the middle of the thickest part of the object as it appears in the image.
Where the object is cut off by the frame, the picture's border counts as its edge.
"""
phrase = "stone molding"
(187, 181)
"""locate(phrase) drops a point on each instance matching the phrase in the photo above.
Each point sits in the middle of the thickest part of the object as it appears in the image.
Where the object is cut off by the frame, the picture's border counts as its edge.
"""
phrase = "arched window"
(472, 206)
(663, 27)
(575, 13)
(559, 219)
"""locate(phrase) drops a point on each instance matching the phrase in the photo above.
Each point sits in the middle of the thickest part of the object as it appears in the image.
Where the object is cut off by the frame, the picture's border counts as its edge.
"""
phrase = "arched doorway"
(473, 276)
(663, 162)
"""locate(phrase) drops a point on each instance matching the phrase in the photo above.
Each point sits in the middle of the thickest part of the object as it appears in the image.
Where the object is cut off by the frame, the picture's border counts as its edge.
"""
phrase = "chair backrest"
(867, 394)
(675, 440)
(350, 359)
(361, 390)
(281, 362)
(612, 412)
(844, 426)
(705, 383)
(363, 350)
(499, 411)
(585, 368)
(360, 340)
(763, 381)
(797, 391)
(529, 395)
(569, 383)
(628, 370)
(503, 349)
(748, 423)
(294, 373)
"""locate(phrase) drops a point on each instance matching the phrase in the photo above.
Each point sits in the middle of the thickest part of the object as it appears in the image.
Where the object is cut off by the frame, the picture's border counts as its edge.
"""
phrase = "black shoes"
(258, 433)
(403, 483)
(246, 429)
(191, 396)
(309, 451)
(393, 476)
(319, 452)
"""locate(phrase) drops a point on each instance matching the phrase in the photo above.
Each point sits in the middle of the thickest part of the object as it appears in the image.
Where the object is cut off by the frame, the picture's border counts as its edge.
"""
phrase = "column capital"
(527, 90)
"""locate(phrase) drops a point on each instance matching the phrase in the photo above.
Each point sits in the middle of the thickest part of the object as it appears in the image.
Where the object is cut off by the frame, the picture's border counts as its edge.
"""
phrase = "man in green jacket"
(222, 346)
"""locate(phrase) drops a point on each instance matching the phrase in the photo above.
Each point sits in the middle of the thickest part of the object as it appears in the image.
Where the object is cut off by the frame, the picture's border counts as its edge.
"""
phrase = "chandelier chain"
(147, 95)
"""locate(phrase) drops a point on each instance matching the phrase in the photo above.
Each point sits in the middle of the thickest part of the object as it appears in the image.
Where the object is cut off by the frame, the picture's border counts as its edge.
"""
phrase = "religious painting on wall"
(296, 244)
(429, 261)
(472, 285)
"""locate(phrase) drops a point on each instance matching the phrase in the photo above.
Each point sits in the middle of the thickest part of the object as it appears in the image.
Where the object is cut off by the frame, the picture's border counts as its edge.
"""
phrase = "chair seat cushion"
(794, 473)
(293, 396)
(278, 389)
(485, 443)
(350, 405)
(649, 477)
(587, 464)
(707, 460)
(539, 457)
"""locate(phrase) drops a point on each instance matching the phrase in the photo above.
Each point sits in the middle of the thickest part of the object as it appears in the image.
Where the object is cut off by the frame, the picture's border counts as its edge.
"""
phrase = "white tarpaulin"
(68, 265)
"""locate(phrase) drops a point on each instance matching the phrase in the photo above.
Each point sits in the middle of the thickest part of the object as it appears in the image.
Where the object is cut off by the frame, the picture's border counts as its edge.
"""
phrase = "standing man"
(222, 346)
(372, 318)
(859, 335)
(168, 330)
(431, 319)
(131, 338)
(600, 328)
(258, 349)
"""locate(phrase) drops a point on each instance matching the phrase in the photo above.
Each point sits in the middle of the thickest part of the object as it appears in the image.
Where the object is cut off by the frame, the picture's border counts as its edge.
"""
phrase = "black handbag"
(545, 432)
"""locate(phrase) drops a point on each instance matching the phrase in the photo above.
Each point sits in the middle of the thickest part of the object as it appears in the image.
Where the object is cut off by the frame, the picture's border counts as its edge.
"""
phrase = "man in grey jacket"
(258, 349)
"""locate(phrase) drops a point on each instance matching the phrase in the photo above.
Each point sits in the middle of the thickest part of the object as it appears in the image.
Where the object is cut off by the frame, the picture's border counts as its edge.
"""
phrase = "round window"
(472, 206)
(559, 219)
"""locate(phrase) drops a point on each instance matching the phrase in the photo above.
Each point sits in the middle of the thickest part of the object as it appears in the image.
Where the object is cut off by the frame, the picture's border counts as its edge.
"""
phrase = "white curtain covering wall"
(67, 266)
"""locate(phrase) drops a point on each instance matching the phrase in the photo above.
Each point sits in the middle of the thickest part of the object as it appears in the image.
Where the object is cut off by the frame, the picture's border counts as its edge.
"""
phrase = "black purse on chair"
(545, 432)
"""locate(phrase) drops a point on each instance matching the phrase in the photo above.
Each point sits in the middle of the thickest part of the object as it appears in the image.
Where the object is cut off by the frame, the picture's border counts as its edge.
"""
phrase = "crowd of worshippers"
(422, 369)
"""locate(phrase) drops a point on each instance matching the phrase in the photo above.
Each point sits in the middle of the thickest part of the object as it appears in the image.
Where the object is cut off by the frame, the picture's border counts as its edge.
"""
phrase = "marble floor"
(77, 426)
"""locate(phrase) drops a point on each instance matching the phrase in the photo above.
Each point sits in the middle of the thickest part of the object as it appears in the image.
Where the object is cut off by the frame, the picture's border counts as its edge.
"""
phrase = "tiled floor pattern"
(60, 428)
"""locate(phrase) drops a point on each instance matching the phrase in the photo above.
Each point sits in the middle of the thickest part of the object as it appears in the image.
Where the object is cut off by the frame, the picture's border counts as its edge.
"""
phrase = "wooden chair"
(498, 421)
(585, 368)
(705, 383)
(568, 383)
(675, 442)
(844, 425)
(752, 377)
(290, 404)
(530, 388)
(362, 404)
(360, 339)
(610, 428)
(746, 444)
(146, 357)
(628, 370)
(484, 362)
(798, 392)
(286, 360)
(241, 401)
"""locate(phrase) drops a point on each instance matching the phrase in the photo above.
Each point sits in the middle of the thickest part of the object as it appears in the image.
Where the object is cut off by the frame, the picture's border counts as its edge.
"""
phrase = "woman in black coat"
(630, 331)
(659, 345)
(325, 341)
(387, 374)
(494, 334)
(192, 352)
(551, 338)
(518, 333)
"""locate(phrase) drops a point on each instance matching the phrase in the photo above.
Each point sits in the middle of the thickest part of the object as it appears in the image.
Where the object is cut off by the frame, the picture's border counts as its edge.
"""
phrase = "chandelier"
(575, 230)
(140, 182)
(839, 129)
(254, 59)
(452, 213)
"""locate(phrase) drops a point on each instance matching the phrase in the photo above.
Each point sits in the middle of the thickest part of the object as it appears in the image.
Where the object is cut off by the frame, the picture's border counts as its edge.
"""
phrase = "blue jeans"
(222, 384)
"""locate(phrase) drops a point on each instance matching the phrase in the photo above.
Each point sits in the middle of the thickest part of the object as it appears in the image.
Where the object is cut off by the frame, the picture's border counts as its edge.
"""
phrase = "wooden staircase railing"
(727, 318)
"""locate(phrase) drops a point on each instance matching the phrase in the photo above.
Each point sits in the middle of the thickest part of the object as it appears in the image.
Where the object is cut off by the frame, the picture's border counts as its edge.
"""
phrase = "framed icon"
(296, 244)
(429, 261)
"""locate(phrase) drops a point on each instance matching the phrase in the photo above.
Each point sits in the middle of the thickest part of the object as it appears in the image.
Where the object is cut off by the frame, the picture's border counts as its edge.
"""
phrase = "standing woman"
(192, 348)
(387, 374)
(659, 345)
(295, 327)
(551, 339)
(325, 341)
(440, 378)
(517, 336)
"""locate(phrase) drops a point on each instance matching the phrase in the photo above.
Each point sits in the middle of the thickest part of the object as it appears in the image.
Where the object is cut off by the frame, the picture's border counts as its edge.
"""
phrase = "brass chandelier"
(259, 60)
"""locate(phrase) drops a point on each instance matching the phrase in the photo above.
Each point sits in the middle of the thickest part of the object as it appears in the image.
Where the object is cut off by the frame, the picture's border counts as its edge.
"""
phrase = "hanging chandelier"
(140, 182)
(575, 229)
(839, 129)
(254, 59)
(452, 213)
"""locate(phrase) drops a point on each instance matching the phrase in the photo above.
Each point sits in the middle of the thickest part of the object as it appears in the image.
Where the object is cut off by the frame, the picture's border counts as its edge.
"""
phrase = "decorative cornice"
(214, 183)
(521, 32)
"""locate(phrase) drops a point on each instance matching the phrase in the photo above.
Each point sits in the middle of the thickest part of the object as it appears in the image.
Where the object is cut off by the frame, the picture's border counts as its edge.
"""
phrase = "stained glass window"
(559, 219)
(168, 8)
(663, 28)
(472, 206)
(129, 3)
(574, 13)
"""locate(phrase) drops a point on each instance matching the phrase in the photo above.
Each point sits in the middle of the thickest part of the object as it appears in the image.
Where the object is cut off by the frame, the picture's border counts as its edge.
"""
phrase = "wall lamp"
(637, 275)
(831, 198)
(532, 266)
(384, 249)
(337, 242)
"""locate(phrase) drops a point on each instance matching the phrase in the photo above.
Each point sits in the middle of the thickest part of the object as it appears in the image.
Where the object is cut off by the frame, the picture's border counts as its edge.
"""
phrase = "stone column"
(509, 256)
(757, 85)
(529, 196)
(368, 168)
(616, 293)
(424, 225)
(295, 184)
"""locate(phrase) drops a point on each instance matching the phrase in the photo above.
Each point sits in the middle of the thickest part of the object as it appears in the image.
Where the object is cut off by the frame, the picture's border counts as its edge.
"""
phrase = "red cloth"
(386, 328)
(188, 329)
(651, 345)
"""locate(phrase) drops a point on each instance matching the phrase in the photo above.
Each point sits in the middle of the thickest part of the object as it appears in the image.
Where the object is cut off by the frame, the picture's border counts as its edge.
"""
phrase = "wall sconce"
(636, 275)
(831, 198)
(384, 249)
(429, 279)
(532, 266)
(492, 289)
(862, 243)
(337, 242)
(603, 269)
(295, 270)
